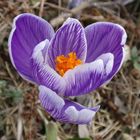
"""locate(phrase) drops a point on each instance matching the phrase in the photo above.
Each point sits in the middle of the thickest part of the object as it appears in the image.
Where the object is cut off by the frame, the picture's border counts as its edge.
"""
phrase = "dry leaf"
(126, 137)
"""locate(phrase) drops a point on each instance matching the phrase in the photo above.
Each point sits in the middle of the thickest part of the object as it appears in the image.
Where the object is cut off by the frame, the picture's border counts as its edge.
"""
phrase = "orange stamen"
(65, 63)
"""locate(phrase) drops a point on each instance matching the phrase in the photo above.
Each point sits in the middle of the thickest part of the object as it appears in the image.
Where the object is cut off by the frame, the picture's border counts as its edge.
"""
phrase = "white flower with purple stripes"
(72, 61)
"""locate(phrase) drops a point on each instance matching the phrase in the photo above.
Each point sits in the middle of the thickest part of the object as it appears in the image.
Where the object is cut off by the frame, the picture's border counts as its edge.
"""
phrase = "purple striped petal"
(65, 110)
(42, 72)
(105, 37)
(46, 76)
(87, 77)
(40, 51)
(108, 60)
(69, 38)
(28, 30)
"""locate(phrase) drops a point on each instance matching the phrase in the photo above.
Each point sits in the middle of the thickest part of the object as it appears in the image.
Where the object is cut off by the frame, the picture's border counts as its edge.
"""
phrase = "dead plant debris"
(21, 116)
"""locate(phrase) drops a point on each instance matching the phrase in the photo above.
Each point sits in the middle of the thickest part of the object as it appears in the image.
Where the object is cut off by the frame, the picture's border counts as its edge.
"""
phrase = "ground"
(21, 116)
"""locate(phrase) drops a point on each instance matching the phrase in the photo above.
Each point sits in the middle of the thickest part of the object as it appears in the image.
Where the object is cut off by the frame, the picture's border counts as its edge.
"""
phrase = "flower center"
(64, 63)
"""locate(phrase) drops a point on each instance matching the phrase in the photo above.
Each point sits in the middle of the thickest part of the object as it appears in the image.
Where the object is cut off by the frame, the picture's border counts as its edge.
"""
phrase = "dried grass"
(119, 117)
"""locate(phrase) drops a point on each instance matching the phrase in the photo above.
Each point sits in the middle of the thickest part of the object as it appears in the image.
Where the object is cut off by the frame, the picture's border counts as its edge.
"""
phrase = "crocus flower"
(72, 61)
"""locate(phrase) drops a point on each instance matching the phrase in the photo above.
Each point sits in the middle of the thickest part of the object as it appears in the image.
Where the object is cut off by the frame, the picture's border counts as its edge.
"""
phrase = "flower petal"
(46, 76)
(28, 30)
(105, 37)
(87, 77)
(84, 78)
(69, 38)
(108, 60)
(40, 52)
(43, 73)
(65, 110)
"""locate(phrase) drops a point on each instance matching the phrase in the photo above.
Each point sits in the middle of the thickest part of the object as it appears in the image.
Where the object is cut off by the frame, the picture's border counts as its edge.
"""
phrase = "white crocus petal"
(70, 37)
(43, 73)
(72, 113)
(108, 59)
(37, 53)
(82, 116)
(27, 31)
(50, 97)
(84, 78)
(65, 110)
(85, 114)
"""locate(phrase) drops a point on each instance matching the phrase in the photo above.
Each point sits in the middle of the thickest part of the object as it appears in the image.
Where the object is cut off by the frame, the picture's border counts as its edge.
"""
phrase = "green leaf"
(51, 131)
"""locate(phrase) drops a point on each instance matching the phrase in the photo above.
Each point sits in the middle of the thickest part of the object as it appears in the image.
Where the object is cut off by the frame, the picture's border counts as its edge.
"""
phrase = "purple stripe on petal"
(69, 38)
(105, 37)
(65, 110)
(28, 30)
(87, 77)
(46, 76)
(43, 73)
(50, 100)
(118, 65)
(84, 78)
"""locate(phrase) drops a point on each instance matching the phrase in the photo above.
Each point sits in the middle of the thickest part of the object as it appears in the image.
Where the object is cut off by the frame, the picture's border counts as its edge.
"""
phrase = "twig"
(10, 74)
(60, 19)
(41, 8)
(42, 116)
(59, 3)
(20, 126)
(69, 13)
